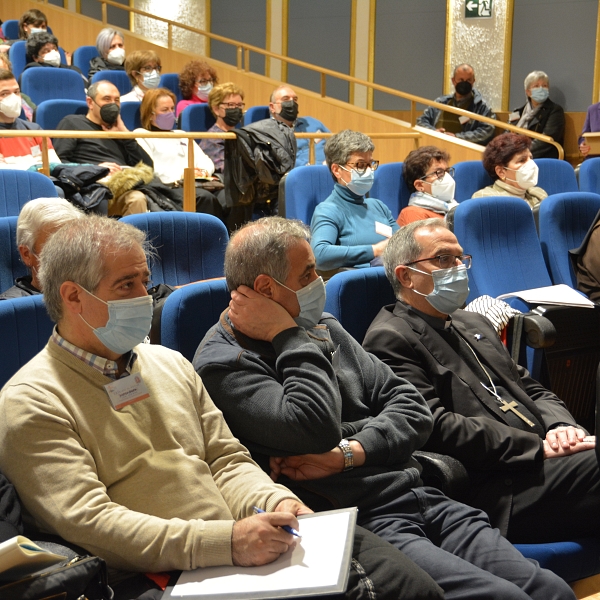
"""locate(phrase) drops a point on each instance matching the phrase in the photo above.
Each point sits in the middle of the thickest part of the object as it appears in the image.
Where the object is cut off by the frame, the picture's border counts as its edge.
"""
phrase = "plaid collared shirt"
(104, 365)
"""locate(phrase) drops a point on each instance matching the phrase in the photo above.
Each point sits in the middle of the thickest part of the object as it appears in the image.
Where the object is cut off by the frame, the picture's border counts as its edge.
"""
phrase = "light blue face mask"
(360, 184)
(450, 288)
(540, 94)
(128, 323)
(311, 300)
(151, 80)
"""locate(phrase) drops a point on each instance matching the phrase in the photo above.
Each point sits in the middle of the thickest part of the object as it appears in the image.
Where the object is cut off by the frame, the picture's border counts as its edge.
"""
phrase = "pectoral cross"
(506, 406)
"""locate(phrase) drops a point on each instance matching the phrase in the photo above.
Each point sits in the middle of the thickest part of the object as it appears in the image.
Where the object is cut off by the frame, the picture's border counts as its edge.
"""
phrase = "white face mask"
(444, 189)
(52, 58)
(33, 30)
(311, 300)
(11, 106)
(526, 174)
(116, 56)
(203, 91)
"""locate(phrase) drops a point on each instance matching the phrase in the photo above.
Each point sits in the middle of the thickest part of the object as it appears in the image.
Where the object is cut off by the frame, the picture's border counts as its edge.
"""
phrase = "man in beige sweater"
(116, 446)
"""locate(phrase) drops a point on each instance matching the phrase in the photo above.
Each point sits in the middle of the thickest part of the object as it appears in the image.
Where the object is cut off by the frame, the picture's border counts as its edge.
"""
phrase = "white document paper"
(560, 295)
(19, 556)
(312, 566)
(383, 229)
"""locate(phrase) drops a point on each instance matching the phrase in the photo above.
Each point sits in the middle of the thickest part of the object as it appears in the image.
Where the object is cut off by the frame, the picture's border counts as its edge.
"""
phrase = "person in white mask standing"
(508, 161)
(143, 68)
(349, 229)
(111, 52)
(428, 176)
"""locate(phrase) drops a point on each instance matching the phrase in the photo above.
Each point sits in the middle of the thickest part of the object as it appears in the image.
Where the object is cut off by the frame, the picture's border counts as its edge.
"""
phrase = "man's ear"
(402, 273)
(71, 294)
(265, 286)
(89, 102)
(26, 256)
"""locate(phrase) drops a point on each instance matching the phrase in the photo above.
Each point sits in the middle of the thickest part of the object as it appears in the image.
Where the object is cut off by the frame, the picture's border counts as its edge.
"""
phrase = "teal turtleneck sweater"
(343, 229)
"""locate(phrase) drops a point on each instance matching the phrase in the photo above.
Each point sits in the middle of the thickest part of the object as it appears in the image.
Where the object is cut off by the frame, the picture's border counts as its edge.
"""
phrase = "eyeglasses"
(361, 166)
(204, 81)
(439, 173)
(233, 105)
(149, 69)
(446, 261)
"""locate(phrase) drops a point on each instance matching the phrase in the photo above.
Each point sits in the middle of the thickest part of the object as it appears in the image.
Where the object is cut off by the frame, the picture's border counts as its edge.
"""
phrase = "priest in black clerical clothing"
(531, 467)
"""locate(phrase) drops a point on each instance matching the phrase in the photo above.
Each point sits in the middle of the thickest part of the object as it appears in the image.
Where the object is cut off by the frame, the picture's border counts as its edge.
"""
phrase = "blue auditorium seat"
(589, 175)
(256, 113)
(17, 187)
(118, 78)
(190, 246)
(11, 265)
(389, 187)
(470, 176)
(130, 113)
(171, 82)
(10, 29)
(82, 57)
(190, 312)
(49, 113)
(303, 189)
(18, 57)
(197, 117)
(556, 176)
(50, 84)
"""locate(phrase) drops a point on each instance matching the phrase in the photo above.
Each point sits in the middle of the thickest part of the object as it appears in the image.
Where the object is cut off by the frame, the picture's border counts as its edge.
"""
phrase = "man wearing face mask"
(21, 152)
(283, 107)
(428, 176)
(531, 468)
(103, 100)
(467, 98)
(333, 423)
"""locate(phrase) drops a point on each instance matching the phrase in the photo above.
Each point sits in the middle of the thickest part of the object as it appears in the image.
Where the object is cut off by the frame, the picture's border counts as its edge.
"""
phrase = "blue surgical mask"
(311, 300)
(151, 80)
(450, 288)
(540, 94)
(360, 184)
(128, 323)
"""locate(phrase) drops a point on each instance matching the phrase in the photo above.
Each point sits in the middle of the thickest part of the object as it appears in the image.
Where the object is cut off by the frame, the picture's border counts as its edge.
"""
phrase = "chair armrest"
(444, 473)
(539, 331)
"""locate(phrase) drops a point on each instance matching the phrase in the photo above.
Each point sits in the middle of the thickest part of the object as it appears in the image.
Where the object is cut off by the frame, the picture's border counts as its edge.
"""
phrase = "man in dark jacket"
(530, 465)
(335, 424)
(467, 98)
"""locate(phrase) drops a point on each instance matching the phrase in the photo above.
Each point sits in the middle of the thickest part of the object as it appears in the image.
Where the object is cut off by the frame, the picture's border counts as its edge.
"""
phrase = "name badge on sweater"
(126, 390)
(382, 229)
(462, 119)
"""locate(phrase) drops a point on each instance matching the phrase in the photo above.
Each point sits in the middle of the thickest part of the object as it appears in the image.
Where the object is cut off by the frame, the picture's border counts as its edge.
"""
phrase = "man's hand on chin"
(257, 316)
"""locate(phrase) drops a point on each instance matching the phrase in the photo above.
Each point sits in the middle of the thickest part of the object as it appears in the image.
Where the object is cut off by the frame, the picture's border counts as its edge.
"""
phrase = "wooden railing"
(189, 186)
(243, 51)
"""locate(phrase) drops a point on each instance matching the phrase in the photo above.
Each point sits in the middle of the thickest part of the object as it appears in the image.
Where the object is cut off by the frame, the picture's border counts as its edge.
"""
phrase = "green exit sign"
(478, 9)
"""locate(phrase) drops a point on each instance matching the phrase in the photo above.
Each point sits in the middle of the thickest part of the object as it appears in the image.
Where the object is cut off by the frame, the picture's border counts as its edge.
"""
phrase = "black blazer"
(549, 120)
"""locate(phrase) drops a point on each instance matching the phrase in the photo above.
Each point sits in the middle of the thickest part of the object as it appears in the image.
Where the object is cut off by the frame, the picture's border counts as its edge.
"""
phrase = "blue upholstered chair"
(50, 84)
(302, 189)
(25, 327)
(18, 57)
(190, 246)
(117, 78)
(171, 82)
(190, 312)
(470, 176)
(11, 265)
(256, 113)
(49, 113)
(17, 187)
(564, 220)
(556, 176)
(197, 117)
(389, 187)
(130, 113)
(10, 29)
(589, 175)
(82, 57)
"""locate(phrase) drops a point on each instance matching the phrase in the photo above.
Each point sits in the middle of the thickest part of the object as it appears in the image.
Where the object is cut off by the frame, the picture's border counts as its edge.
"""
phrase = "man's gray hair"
(78, 252)
(463, 66)
(403, 248)
(105, 38)
(339, 147)
(261, 248)
(534, 77)
(40, 213)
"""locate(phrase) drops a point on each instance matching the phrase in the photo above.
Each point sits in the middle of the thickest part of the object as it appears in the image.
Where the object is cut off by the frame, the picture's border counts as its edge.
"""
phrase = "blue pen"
(284, 527)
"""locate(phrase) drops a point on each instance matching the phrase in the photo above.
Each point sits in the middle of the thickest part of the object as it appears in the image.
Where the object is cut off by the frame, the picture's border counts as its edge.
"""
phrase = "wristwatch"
(348, 455)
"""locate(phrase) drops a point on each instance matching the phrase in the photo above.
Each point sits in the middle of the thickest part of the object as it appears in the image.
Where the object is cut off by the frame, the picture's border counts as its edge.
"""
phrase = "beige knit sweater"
(152, 487)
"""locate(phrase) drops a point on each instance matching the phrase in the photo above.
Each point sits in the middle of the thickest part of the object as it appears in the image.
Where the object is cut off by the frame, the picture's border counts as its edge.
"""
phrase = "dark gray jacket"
(292, 397)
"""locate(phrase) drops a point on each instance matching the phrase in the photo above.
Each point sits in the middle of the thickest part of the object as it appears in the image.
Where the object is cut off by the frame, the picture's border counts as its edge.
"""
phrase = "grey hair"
(403, 248)
(463, 66)
(339, 147)
(105, 38)
(261, 248)
(40, 213)
(78, 252)
(277, 89)
(536, 76)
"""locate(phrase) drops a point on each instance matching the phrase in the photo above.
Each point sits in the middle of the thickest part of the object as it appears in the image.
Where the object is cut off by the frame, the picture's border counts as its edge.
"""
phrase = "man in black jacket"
(334, 424)
(530, 465)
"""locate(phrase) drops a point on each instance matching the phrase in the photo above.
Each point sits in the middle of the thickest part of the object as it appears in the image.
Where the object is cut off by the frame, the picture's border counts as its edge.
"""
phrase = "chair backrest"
(130, 113)
(25, 327)
(256, 113)
(470, 176)
(11, 265)
(116, 77)
(49, 113)
(389, 187)
(82, 57)
(304, 188)
(190, 312)
(499, 232)
(190, 246)
(556, 176)
(564, 220)
(589, 175)
(17, 55)
(171, 82)
(10, 29)
(197, 117)
(17, 187)
(355, 297)
(49, 84)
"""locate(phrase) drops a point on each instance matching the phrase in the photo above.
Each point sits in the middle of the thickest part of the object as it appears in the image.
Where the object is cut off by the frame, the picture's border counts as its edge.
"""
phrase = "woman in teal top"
(349, 230)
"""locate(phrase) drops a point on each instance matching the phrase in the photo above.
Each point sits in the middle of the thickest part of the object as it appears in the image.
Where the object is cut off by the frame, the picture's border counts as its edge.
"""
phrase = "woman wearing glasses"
(349, 229)
(195, 82)
(508, 161)
(143, 68)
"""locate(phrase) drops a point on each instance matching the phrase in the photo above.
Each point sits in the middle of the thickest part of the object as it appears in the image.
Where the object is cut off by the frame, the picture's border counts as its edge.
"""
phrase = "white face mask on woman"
(116, 56)
(526, 174)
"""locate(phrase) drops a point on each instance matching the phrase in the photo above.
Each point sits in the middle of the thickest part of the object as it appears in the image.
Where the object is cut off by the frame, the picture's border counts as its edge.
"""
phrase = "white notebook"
(19, 556)
(561, 295)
